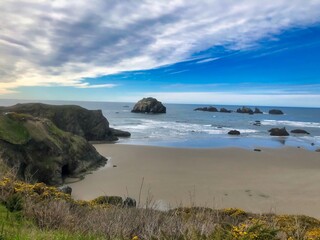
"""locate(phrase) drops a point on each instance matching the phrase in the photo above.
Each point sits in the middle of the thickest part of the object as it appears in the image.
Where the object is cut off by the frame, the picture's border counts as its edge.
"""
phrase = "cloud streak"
(63, 43)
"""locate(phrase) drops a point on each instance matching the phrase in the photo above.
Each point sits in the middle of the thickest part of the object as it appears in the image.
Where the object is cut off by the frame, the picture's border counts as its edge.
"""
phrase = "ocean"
(183, 127)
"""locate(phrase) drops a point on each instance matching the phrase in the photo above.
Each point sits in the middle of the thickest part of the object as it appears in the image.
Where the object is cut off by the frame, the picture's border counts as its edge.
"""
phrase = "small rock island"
(149, 105)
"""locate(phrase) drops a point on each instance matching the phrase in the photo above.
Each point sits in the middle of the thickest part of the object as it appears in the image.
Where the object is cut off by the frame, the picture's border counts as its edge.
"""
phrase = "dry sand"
(274, 180)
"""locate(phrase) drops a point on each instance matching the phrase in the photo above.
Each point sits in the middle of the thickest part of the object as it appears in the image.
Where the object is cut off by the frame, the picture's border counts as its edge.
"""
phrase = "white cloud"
(62, 42)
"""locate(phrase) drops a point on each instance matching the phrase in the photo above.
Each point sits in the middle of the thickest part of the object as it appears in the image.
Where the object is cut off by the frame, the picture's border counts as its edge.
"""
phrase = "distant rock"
(224, 110)
(257, 150)
(257, 123)
(318, 150)
(207, 109)
(278, 132)
(42, 152)
(234, 132)
(90, 124)
(245, 110)
(275, 112)
(299, 131)
(149, 105)
(257, 111)
(65, 189)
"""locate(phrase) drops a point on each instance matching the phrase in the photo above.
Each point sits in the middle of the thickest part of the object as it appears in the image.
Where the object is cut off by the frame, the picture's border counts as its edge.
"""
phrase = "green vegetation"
(37, 211)
(12, 128)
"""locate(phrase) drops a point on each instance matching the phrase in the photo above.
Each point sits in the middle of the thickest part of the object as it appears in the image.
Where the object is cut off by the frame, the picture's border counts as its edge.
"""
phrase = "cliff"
(42, 152)
(90, 124)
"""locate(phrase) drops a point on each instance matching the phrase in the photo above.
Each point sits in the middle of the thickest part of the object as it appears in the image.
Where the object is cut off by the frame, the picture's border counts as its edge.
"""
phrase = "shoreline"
(274, 180)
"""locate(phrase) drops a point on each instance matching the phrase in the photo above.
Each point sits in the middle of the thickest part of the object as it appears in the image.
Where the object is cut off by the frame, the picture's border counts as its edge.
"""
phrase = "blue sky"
(209, 52)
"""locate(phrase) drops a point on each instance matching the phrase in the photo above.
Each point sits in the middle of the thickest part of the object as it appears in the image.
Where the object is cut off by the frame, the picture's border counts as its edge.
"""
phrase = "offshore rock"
(207, 109)
(278, 132)
(299, 131)
(245, 110)
(149, 105)
(275, 112)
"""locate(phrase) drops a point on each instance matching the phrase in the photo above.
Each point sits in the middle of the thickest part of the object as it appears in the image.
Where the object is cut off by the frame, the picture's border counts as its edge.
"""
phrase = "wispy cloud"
(44, 43)
(108, 85)
(208, 60)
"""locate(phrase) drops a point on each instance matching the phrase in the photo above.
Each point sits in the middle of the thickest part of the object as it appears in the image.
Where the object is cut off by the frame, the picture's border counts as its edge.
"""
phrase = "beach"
(283, 181)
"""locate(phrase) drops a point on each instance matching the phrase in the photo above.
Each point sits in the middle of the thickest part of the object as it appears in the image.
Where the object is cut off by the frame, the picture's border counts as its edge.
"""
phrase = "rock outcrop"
(234, 132)
(206, 109)
(275, 112)
(299, 131)
(257, 111)
(245, 110)
(90, 124)
(41, 151)
(278, 132)
(149, 105)
(224, 110)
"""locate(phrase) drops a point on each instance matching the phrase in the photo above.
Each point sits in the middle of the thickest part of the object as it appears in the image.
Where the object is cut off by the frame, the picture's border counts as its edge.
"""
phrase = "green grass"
(12, 130)
(14, 226)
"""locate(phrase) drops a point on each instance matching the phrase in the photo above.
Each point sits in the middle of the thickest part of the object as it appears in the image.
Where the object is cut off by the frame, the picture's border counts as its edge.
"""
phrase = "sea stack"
(275, 112)
(149, 105)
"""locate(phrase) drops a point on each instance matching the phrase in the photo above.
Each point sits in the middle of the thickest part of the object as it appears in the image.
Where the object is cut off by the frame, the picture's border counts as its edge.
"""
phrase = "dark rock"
(224, 110)
(257, 123)
(245, 110)
(149, 105)
(257, 150)
(120, 133)
(275, 112)
(312, 144)
(207, 109)
(234, 132)
(65, 189)
(278, 132)
(299, 131)
(318, 150)
(42, 152)
(129, 203)
(257, 111)
(90, 124)
(114, 166)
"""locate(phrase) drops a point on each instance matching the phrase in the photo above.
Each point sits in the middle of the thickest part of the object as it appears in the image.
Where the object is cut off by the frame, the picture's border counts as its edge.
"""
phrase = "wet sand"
(274, 180)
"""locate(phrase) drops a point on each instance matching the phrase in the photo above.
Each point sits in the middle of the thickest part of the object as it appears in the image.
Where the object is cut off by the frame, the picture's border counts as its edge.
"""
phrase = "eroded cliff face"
(90, 124)
(41, 151)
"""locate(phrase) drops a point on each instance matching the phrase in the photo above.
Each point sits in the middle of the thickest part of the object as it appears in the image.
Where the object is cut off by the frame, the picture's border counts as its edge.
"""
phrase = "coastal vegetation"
(38, 211)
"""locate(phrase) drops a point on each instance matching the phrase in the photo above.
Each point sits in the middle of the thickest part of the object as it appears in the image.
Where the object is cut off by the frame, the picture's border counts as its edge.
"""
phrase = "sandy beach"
(274, 180)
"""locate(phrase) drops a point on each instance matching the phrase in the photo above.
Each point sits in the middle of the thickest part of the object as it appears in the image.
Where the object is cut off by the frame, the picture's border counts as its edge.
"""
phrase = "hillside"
(41, 152)
(90, 124)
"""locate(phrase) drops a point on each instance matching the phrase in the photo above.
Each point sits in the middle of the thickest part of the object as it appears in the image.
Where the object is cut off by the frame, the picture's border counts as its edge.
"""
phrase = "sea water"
(181, 126)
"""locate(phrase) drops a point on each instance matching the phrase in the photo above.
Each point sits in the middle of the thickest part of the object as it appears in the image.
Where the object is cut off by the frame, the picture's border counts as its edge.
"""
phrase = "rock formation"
(149, 105)
(257, 111)
(224, 110)
(278, 132)
(275, 112)
(90, 124)
(41, 151)
(206, 109)
(234, 132)
(299, 131)
(245, 110)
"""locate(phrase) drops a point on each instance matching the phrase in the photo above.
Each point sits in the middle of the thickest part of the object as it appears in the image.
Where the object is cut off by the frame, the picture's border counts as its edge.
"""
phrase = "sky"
(228, 52)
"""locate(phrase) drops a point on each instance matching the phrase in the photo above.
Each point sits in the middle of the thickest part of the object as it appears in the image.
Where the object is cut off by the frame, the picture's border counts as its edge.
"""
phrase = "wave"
(291, 123)
(163, 128)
